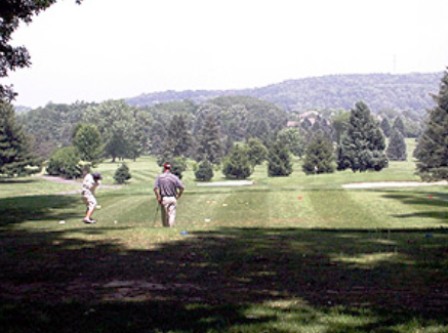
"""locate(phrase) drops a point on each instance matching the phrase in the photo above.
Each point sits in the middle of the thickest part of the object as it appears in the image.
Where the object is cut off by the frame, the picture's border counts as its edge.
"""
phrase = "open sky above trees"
(104, 49)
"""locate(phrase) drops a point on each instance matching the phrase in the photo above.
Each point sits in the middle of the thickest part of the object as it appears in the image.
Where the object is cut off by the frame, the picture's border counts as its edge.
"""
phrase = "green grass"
(295, 254)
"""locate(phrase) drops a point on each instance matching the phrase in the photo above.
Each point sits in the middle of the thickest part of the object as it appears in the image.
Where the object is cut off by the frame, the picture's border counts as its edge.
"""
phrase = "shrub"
(179, 164)
(122, 174)
(65, 162)
(204, 171)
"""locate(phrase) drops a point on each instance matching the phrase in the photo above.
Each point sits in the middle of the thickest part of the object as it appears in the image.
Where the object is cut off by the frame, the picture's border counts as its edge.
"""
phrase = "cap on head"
(97, 175)
(167, 166)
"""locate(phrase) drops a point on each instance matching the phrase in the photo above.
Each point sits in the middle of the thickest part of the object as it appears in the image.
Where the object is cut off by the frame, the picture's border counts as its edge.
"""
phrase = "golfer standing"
(168, 188)
(89, 184)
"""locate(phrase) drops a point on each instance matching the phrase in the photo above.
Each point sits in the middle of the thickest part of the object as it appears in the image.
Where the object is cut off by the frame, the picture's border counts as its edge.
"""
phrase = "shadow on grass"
(38, 207)
(16, 181)
(227, 280)
(437, 200)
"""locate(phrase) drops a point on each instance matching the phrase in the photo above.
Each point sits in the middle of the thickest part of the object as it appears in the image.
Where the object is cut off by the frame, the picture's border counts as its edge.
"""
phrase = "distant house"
(291, 123)
(311, 116)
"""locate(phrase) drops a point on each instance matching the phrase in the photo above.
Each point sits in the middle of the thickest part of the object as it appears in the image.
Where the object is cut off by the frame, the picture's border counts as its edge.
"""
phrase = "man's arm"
(180, 190)
(158, 196)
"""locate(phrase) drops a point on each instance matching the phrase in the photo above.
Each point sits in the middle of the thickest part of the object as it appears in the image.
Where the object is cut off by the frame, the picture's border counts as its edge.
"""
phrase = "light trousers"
(169, 211)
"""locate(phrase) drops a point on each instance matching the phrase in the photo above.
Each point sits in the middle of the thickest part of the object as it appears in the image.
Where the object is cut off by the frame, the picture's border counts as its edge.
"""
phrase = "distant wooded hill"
(400, 92)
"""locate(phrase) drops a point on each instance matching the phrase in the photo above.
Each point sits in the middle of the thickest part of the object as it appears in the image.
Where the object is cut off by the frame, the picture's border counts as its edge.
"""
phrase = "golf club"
(157, 211)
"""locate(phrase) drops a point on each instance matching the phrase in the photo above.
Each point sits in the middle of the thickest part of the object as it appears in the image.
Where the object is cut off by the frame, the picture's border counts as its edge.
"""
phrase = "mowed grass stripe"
(339, 209)
(248, 207)
(125, 208)
(143, 176)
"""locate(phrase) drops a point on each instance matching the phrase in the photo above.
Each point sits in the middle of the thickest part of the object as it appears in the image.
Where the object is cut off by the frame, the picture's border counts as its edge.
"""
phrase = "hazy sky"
(111, 49)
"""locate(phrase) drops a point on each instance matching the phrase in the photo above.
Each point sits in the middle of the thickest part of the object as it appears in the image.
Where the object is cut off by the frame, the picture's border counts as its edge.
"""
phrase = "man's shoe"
(89, 221)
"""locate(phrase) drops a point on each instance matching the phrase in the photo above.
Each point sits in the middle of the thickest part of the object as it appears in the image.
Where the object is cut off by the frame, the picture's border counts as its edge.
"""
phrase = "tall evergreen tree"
(385, 127)
(432, 149)
(15, 158)
(399, 125)
(279, 160)
(237, 164)
(256, 151)
(396, 149)
(362, 145)
(319, 155)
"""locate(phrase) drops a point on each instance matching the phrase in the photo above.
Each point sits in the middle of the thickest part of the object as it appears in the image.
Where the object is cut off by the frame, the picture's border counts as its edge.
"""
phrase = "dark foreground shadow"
(230, 280)
(35, 208)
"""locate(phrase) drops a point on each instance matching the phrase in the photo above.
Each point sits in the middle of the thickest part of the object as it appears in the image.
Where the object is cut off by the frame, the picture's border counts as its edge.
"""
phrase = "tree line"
(233, 133)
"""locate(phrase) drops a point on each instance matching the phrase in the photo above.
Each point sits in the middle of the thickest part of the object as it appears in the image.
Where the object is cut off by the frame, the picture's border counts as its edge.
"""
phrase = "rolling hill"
(401, 92)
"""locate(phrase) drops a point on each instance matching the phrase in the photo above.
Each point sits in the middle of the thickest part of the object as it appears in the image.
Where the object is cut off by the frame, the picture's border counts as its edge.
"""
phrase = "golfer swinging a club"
(89, 185)
(168, 188)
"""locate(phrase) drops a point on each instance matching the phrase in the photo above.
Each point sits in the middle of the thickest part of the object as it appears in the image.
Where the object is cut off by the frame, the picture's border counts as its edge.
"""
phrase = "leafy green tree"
(319, 155)
(259, 128)
(117, 124)
(256, 151)
(53, 126)
(12, 12)
(279, 160)
(179, 139)
(205, 110)
(87, 139)
(233, 122)
(293, 140)
(205, 171)
(122, 174)
(142, 133)
(432, 148)
(158, 134)
(209, 146)
(237, 164)
(15, 158)
(362, 145)
(396, 149)
(65, 162)
(252, 110)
